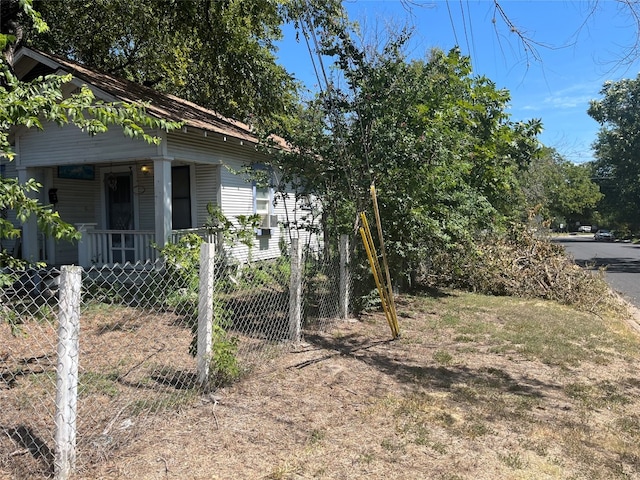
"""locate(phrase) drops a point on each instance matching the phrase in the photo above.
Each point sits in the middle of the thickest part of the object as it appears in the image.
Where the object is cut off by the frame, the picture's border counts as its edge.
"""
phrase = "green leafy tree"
(617, 165)
(558, 191)
(220, 54)
(434, 139)
(31, 105)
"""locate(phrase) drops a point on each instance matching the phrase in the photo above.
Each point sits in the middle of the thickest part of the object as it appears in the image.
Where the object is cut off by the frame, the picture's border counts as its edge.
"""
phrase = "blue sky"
(575, 54)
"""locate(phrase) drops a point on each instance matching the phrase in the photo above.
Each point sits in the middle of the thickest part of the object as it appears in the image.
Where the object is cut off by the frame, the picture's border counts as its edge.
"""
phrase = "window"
(263, 200)
(180, 197)
(262, 206)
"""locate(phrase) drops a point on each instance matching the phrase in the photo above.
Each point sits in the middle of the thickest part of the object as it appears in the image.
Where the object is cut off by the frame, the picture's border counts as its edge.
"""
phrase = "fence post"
(205, 311)
(295, 292)
(67, 371)
(345, 280)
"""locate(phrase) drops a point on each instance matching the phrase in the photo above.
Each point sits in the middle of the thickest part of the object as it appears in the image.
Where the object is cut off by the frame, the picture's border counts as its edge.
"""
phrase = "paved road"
(621, 259)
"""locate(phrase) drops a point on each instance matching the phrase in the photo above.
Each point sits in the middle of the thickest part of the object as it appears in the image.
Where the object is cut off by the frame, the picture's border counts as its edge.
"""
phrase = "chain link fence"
(138, 350)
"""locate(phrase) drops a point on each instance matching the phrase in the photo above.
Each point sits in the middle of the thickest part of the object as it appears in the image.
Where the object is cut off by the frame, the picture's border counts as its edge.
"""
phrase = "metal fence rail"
(137, 343)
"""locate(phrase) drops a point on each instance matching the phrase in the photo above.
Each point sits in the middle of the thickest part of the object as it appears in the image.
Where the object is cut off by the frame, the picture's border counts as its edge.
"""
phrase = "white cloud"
(573, 97)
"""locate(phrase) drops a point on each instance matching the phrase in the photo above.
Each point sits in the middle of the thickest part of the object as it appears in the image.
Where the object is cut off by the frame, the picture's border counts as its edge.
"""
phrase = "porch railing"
(108, 247)
(206, 234)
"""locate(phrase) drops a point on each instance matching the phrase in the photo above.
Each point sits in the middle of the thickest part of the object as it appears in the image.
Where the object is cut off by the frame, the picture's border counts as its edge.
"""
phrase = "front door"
(119, 201)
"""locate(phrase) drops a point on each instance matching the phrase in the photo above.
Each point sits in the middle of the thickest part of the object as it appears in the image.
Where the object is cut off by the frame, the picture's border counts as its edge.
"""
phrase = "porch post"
(49, 244)
(29, 237)
(85, 250)
(162, 194)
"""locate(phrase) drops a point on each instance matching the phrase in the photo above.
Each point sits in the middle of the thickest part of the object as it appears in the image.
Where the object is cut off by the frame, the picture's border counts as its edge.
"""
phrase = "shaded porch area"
(124, 212)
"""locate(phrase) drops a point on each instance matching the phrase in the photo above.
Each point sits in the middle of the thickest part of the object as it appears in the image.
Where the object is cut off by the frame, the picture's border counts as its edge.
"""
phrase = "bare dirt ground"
(446, 401)
(465, 393)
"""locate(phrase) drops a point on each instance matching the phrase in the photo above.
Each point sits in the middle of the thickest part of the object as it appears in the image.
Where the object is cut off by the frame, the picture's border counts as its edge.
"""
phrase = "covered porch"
(124, 212)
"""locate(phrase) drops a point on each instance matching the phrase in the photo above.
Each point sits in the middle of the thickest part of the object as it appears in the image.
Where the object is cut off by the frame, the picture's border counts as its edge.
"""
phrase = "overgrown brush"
(522, 264)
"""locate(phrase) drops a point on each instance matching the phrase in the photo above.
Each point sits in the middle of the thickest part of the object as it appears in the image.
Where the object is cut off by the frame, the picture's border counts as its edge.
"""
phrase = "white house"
(123, 194)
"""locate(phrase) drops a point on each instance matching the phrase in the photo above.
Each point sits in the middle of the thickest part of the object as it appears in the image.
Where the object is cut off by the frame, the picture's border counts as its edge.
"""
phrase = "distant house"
(123, 194)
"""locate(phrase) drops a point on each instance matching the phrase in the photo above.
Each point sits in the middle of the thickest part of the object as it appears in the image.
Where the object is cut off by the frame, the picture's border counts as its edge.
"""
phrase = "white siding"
(237, 199)
(143, 189)
(288, 210)
(213, 161)
(195, 146)
(68, 145)
(191, 146)
(236, 191)
(206, 190)
(9, 168)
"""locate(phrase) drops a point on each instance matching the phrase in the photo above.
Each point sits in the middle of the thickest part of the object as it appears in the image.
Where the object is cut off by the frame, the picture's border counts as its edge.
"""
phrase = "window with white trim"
(262, 196)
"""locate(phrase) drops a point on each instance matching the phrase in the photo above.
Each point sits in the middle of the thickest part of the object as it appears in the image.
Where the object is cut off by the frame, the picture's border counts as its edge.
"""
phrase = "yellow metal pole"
(367, 230)
(377, 277)
(367, 239)
(373, 260)
(392, 304)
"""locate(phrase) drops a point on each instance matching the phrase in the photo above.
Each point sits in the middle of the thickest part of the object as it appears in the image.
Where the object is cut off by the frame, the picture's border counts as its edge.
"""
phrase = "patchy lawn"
(476, 388)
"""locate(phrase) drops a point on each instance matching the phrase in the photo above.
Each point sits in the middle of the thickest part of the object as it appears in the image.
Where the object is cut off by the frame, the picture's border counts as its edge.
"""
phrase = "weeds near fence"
(137, 329)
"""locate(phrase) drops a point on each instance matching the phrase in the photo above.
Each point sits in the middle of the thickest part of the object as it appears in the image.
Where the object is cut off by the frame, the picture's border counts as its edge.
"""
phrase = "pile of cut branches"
(522, 264)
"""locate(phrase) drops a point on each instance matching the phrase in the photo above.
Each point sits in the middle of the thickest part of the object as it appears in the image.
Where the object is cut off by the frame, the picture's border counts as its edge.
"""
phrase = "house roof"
(161, 105)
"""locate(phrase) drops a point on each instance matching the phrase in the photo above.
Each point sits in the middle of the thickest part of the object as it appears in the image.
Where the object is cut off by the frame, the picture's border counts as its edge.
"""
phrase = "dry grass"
(476, 388)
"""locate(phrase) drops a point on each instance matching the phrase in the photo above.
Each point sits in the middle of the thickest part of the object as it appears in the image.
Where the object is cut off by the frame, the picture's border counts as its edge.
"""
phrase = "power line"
(464, 26)
(317, 49)
(453, 26)
(473, 43)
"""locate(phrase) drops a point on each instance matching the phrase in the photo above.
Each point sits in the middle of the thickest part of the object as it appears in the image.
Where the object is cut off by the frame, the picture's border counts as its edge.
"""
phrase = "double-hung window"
(262, 200)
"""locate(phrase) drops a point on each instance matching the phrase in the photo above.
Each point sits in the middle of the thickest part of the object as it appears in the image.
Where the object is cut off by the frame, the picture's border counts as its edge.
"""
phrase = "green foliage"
(558, 190)
(435, 140)
(219, 54)
(11, 317)
(17, 310)
(616, 168)
(224, 367)
(109, 292)
(15, 196)
(14, 13)
(243, 231)
(518, 263)
(246, 230)
(319, 287)
(181, 260)
(261, 274)
(28, 104)
(218, 223)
